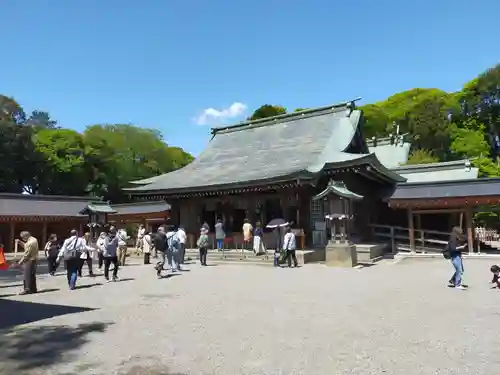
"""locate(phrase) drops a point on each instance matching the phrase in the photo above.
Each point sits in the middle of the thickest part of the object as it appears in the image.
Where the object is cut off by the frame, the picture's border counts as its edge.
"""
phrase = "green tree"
(480, 98)
(376, 121)
(267, 110)
(422, 156)
(62, 163)
(300, 109)
(118, 154)
(41, 120)
(10, 110)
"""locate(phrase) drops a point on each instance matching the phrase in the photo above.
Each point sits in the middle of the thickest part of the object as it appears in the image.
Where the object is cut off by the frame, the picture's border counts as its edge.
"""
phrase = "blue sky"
(161, 63)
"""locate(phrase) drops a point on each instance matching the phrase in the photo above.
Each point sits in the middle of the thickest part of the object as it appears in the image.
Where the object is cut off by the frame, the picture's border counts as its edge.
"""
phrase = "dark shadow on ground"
(126, 279)
(169, 275)
(13, 313)
(87, 286)
(40, 291)
(149, 370)
(36, 348)
(11, 285)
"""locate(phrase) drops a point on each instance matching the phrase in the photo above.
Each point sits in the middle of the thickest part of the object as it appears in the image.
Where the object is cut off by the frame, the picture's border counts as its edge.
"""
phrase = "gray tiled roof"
(99, 207)
(141, 208)
(338, 188)
(448, 189)
(41, 205)
(277, 148)
(443, 171)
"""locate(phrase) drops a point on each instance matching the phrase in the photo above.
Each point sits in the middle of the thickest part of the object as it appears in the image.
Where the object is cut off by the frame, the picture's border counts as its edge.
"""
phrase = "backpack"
(446, 252)
(72, 252)
(202, 241)
(173, 242)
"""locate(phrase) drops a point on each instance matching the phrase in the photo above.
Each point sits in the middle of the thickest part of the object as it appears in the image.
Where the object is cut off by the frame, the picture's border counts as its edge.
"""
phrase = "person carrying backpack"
(202, 244)
(71, 251)
(173, 246)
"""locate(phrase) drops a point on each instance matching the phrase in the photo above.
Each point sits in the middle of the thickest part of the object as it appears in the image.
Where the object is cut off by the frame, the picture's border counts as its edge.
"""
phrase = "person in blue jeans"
(220, 234)
(455, 248)
(71, 251)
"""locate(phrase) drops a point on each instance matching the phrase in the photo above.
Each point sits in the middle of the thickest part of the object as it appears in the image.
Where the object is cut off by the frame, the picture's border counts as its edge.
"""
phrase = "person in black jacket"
(51, 252)
(160, 244)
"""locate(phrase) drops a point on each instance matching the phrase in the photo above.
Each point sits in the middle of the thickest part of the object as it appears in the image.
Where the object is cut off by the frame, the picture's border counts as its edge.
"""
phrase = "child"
(495, 270)
(277, 258)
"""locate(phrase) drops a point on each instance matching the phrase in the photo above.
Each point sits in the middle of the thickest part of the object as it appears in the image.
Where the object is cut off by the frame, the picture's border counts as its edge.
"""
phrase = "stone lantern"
(339, 251)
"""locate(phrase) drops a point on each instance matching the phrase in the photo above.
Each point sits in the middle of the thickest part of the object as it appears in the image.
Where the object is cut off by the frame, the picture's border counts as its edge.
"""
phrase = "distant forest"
(442, 126)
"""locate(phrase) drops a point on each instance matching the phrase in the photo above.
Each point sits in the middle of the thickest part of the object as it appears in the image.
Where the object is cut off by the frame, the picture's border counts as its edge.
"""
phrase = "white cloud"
(212, 115)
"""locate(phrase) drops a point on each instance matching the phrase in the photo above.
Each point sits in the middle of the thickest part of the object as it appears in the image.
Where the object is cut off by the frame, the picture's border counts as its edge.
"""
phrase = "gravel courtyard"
(385, 319)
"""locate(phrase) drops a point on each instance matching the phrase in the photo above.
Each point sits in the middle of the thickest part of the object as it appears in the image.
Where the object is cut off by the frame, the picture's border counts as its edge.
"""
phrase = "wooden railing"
(399, 239)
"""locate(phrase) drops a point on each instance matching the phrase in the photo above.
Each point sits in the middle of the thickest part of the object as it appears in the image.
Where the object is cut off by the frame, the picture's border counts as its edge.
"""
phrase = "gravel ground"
(385, 319)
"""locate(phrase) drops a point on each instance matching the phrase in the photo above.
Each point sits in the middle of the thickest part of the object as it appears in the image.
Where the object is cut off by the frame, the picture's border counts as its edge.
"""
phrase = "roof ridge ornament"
(350, 105)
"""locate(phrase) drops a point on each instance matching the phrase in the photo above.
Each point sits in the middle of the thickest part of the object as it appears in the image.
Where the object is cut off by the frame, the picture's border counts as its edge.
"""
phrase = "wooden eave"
(17, 218)
(452, 202)
(220, 192)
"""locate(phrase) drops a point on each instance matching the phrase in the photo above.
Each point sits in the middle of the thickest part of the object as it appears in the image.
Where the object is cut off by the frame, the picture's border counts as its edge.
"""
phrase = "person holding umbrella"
(277, 224)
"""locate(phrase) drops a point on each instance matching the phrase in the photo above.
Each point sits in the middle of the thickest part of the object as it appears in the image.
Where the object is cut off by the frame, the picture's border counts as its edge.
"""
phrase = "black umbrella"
(277, 223)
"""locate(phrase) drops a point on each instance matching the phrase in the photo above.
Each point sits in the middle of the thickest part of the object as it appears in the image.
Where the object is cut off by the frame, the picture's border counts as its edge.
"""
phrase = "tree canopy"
(39, 157)
(441, 125)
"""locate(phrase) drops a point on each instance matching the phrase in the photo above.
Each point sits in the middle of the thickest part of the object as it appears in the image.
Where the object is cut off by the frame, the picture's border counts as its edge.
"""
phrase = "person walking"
(110, 250)
(258, 240)
(28, 261)
(454, 248)
(71, 251)
(173, 250)
(141, 232)
(289, 245)
(182, 237)
(147, 244)
(86, 256)
(247, 233)
(220, 234)
(122, 246)
(51, 252)
(202, 244)
(160, 244)
(100, 244)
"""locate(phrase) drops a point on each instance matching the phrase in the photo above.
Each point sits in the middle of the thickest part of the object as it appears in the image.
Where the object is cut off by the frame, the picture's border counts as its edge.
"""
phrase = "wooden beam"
(411, 230)
(44, 233)
(12, 235)
(470, 230)
(438, 211)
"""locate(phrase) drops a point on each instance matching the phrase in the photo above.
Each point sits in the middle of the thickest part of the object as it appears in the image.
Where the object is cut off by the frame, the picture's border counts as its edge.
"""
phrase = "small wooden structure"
(339, 205)
(97, 213)
(455, 198)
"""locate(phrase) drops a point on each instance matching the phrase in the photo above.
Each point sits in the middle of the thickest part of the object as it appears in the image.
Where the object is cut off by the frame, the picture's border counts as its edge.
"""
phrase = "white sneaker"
(461, 287)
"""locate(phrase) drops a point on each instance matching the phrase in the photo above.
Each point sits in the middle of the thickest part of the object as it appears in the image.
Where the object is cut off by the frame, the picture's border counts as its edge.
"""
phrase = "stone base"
(341, 255)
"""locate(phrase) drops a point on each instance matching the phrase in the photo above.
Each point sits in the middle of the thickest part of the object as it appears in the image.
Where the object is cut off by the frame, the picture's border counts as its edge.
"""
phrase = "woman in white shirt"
(147, 244)
(87, 255)
(101, 246)
(289, 245)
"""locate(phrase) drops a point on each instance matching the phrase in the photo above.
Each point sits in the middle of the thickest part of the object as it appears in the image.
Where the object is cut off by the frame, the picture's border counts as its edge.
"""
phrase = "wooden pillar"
(44, 233)
(411, 230)
(80, 229)
(297, 204)
(12, 236)
(470, 230)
